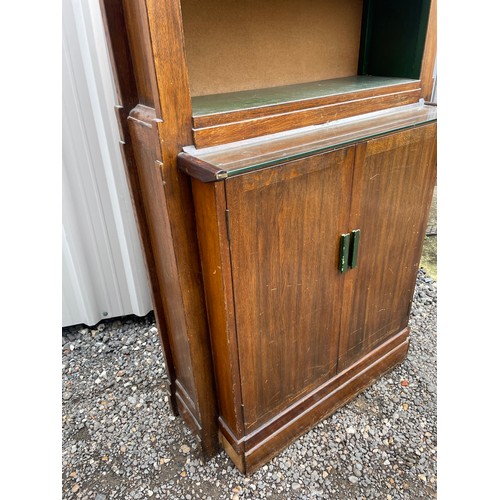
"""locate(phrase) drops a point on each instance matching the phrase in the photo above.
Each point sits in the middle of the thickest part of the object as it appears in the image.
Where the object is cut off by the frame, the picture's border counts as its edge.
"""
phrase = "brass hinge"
(159, 164)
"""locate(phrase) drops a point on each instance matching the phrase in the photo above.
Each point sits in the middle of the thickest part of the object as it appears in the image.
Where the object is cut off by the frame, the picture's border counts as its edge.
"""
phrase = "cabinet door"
(394, 177)
(284, 226)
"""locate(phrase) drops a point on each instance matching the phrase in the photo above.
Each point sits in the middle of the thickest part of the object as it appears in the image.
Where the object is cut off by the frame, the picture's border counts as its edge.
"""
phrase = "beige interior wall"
(247, 44)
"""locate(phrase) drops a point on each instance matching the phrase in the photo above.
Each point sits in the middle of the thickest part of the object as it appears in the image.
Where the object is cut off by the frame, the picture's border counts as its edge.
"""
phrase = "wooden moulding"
(187, 407)
(199, 169)
(260, 446)
(299, 117)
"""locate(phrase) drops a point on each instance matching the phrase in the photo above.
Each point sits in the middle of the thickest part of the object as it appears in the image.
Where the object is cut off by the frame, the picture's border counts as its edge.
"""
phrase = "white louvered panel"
(103, 267)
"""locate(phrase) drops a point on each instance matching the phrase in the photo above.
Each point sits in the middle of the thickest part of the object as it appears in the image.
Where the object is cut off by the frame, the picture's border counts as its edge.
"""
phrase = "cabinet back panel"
(285, 225)
(250, 44)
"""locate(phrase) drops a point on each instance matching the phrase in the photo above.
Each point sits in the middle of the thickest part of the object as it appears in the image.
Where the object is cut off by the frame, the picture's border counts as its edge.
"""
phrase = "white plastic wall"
(104, 273)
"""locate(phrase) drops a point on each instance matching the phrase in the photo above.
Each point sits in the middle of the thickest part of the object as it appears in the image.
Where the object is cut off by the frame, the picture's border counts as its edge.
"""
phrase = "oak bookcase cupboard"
(281, 160)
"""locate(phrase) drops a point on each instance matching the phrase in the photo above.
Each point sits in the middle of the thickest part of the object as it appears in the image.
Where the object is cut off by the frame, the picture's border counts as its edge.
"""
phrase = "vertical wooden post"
(429, 58)
(147, 44)
(127, 97)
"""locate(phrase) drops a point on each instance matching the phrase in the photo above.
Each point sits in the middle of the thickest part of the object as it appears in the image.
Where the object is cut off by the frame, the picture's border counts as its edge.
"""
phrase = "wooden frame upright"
(146, 48)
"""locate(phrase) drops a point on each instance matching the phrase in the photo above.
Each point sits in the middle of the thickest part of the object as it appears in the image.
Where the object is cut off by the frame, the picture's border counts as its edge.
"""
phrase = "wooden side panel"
(140, 49)
(429, 59)
(210, 202)
(121, 61)
(285, 226)
(186, 290)
(144, 139)
(147, 43)
(113, 18)
(393, 183)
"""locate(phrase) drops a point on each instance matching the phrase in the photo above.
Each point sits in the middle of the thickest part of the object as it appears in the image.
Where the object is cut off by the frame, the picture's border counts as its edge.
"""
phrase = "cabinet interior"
(245, 51)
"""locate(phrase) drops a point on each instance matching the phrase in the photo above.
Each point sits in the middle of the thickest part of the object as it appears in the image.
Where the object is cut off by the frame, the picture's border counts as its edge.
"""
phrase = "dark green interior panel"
(393, 37)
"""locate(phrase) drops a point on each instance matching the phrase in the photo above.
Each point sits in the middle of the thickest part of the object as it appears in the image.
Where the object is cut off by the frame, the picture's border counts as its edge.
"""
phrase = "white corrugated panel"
(103, 268)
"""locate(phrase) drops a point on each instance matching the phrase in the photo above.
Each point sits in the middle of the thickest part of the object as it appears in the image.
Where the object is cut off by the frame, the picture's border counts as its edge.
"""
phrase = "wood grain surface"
(147, 51)
(285, 327)
(293, 338)
(142, 57)
(127, 98)
(213, 233)
(256, 127)
(394, 178)
(284, 228)
(321, 403)
(263, 110)
(429, 58)
(184, 287)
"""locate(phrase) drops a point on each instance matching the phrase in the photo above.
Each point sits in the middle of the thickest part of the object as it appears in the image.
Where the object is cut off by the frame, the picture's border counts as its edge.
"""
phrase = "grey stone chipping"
(121, 441)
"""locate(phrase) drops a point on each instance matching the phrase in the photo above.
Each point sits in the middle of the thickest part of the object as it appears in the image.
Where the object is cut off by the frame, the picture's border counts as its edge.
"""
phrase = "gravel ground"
(120, 439)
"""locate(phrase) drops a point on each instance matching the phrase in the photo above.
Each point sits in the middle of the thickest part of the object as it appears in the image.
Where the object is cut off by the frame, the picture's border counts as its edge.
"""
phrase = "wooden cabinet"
(255, 135)
(293, 337)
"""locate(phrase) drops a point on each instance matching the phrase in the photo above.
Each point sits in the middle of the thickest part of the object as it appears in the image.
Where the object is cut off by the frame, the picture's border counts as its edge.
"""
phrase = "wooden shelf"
(251, 74)
(220, 162)
(288, 94)
(224, 118)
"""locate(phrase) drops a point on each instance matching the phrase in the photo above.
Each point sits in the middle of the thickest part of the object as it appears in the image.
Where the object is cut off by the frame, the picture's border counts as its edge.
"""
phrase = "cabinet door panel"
(285, 225)
(393, 183)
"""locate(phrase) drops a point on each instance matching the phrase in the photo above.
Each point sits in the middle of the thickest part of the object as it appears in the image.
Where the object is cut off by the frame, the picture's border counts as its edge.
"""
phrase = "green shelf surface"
(248, 99)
